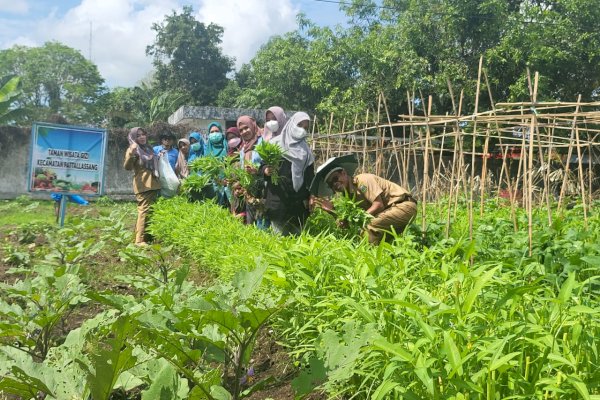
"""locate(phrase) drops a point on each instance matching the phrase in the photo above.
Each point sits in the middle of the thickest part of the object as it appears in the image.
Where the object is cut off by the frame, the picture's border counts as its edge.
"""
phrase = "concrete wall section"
(14, 147)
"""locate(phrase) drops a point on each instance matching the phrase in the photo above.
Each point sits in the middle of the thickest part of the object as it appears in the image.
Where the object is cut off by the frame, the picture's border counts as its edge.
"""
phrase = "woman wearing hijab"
(181, 167)
(140, 159)
(286, 203)
(234, 140)
(216, 146)
(249, 159)
(275, 120)
(251, 138)
(217, 143)
(196, 146)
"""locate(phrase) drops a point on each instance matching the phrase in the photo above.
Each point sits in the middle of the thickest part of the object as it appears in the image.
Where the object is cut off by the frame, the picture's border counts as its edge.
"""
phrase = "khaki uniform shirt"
(370, 186)
(143, 178)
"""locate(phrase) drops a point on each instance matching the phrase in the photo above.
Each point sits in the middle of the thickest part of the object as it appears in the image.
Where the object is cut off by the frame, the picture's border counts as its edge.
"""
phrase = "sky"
(121, 29)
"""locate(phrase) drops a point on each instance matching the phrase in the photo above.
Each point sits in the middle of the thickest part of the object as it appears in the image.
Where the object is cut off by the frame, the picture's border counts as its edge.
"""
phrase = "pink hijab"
(281, 120)
(250, 123)
(144, 152)
(181, 168)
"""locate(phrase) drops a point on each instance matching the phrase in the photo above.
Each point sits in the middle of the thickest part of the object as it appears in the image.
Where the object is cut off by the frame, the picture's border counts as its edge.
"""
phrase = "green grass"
(24, 210)
(20, 212)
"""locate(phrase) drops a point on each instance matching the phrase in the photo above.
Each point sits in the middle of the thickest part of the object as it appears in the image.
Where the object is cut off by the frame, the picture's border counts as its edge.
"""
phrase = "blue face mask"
(195, 147)
(215, 137)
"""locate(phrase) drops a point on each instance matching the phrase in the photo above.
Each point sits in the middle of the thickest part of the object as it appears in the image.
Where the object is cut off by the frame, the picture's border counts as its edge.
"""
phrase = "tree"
(187, 57)
(55, 79)
(277, 75)
(399, 46)
(561, 40)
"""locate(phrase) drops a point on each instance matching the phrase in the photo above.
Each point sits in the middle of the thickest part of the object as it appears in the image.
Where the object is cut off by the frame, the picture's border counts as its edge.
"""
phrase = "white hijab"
(295, 151)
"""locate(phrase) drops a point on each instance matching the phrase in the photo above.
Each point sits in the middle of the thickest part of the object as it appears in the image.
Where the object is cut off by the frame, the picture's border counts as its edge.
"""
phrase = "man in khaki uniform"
(391, 205)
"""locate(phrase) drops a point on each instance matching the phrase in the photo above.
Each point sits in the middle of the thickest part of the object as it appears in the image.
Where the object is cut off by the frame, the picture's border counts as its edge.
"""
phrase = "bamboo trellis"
(527, 154)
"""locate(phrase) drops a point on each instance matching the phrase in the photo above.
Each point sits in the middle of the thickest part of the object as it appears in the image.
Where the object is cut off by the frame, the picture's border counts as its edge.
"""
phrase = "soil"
(270, 359)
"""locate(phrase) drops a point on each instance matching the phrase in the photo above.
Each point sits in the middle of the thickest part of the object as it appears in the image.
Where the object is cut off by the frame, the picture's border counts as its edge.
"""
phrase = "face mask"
(233, 143)
(195, 147)
(215, 137)
(299, 133)
(272, 126)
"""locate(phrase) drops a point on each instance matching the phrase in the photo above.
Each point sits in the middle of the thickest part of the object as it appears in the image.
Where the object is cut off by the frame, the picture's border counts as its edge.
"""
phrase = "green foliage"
(350, 212)
(397, 47)
(10, 90)
(128, 107)
(193, 185)
(55, 79)
(272, 155)
(409, 321)
(188, 58)
(208, 165)
(457, 318)
(163, 105)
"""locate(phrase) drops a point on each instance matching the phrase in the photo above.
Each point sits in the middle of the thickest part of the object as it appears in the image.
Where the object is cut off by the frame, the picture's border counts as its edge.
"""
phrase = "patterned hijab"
(281, 120)
(296, 152)
(181, 168)
(144, 151)
(247, 146)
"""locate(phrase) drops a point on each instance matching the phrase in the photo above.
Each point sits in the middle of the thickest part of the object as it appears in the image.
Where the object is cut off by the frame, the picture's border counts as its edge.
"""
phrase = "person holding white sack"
(140, 159)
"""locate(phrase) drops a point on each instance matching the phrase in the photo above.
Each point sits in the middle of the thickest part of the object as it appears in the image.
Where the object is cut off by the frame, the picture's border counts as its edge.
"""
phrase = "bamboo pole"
(590, 175)
(484, 169)
(341, 141)
(473, 150)
(312, 134)
(569, 153)
(364, 160)
(581, 184)
(329, 135)
(532, 130)
(461, 159)
(411, 110)
(393, 139)
(378, 143)
(425, 176)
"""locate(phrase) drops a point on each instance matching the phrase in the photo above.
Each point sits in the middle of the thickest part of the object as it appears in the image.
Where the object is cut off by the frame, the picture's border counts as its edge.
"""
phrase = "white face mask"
(299, 133)
(272, 126)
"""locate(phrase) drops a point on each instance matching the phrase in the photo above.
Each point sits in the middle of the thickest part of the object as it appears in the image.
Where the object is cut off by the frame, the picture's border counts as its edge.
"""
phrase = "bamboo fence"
(527, 155)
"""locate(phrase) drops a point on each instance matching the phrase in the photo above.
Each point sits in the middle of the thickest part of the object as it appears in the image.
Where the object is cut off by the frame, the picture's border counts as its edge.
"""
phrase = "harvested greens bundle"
(234, 173)
(208, 165)
(272, 155)
(193, 186)
(347, 209)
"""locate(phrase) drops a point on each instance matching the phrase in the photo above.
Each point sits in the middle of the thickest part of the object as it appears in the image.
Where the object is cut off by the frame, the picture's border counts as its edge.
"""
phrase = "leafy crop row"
(450, 319)
(427, 317)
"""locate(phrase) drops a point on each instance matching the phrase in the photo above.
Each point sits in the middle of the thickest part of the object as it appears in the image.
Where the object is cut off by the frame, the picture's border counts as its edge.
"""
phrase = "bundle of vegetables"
(194, 184)
(208, 165)
(349, 212)
(272, 155)
(233, 173)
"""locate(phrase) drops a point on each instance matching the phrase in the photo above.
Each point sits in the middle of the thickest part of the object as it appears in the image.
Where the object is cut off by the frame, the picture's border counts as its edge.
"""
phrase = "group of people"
(282, 206)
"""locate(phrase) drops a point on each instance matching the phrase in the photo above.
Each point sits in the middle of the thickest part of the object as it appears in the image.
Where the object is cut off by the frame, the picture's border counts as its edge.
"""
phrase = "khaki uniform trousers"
(144, 201)
(397, 216)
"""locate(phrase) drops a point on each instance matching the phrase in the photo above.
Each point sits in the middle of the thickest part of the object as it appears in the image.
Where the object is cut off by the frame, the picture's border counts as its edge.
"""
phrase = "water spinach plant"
(271, 155)
(432, 315)
(442, 318)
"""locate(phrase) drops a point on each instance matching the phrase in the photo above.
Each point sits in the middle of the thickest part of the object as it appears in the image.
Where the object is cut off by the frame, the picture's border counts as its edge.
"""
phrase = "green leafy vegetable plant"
(271, 155)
